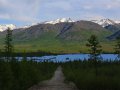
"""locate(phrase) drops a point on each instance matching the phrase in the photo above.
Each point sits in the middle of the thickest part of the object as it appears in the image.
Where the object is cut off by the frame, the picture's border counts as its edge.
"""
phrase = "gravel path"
(55, 83)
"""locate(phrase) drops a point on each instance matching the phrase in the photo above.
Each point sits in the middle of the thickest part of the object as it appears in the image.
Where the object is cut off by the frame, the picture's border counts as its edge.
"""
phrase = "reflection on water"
(70, 57)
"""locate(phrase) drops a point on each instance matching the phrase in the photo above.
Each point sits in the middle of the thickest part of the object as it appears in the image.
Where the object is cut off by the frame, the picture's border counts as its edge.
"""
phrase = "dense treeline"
(28, 54)
(20, 75)
(83, 74)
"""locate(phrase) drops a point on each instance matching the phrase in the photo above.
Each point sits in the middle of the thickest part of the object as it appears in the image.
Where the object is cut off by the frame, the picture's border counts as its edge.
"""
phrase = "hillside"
(62, 37)
(82, 30)
(78, 31)
(113, 28)
(114, 36)
(116, 31)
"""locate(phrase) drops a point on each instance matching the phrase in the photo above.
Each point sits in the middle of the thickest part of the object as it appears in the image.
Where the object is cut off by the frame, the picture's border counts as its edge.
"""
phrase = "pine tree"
(8, 45)
(95, 50)
(117, 47)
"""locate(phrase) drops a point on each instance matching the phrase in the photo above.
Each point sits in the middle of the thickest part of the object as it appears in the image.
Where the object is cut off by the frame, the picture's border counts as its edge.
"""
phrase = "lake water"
(70, 57)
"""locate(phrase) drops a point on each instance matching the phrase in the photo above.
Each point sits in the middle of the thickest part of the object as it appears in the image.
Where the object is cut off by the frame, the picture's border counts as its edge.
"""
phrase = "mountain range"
(102, 22)
(65, 30)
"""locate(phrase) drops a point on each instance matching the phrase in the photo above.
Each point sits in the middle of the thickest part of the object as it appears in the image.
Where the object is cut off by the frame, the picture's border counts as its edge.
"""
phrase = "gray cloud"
(35, 10)
(65, 5)
(21, 10)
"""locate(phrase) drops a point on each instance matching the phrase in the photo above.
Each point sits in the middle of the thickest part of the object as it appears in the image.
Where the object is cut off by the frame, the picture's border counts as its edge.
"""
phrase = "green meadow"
(58, 46)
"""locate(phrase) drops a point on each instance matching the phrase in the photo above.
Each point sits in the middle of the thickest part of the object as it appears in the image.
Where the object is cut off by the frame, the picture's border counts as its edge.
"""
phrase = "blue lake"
(70, 57)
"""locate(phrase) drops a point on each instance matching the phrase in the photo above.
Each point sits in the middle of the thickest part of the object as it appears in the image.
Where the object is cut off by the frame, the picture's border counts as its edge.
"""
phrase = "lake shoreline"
(69, 57)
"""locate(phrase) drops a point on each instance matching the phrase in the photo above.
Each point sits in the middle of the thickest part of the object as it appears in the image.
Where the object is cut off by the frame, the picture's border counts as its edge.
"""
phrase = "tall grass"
(82, 73)
(20, 75)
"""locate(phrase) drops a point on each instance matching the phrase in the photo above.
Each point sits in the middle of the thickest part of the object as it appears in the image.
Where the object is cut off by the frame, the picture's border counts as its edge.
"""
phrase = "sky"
(27, 12)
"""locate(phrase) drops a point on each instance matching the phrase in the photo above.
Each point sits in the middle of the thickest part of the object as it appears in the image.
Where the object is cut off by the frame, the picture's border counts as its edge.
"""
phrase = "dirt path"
(55, 83)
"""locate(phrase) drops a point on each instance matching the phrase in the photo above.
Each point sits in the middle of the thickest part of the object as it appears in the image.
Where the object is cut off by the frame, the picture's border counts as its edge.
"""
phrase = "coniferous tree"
(0, 55)
(95, 50)
(117, 47)
(8, 45)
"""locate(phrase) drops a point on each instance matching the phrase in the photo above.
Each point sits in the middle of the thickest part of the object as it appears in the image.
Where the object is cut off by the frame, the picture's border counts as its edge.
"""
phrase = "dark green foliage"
(95, 50)
(117, 47)
(82, 74)
(21, 75)
(8, 44)
(95, 47)
(6, 76)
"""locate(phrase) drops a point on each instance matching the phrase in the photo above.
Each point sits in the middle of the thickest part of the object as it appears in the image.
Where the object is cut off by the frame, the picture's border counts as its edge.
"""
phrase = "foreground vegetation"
(20, 75)
(87, 75)
(83, 74)
(95, 74)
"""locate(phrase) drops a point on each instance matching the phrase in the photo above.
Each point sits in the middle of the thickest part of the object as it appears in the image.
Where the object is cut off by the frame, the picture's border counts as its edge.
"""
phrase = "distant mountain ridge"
(67, 29)
(106, 22)
(111, 25)
(63, 35)
(102, 22)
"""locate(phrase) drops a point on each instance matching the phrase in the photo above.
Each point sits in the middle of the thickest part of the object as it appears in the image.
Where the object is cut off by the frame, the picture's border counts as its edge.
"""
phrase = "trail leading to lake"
(55, 83)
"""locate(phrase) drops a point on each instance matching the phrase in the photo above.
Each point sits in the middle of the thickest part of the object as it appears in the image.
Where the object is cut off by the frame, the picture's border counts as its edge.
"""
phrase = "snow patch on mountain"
(6, 26)
(104, 22)
(62, 20)
(117, 21)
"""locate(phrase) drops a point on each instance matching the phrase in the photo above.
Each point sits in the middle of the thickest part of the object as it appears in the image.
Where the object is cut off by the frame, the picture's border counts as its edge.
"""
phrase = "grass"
(82, 73)
(59, 46)
(20, 75)
(48, 42)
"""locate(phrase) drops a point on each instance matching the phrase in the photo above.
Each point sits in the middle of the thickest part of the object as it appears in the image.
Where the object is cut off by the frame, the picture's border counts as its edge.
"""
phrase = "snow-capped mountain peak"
(117, 21)
(104, 22)
(4, 27)
(60, 21)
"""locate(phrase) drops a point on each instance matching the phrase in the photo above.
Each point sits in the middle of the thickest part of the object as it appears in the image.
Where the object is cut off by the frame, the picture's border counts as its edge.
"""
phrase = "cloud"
(65, 5)
(5, 16)
(30, 11)
(20, 10)
(92, 16)
(87, 7)
(113, 4)
(97, 4)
